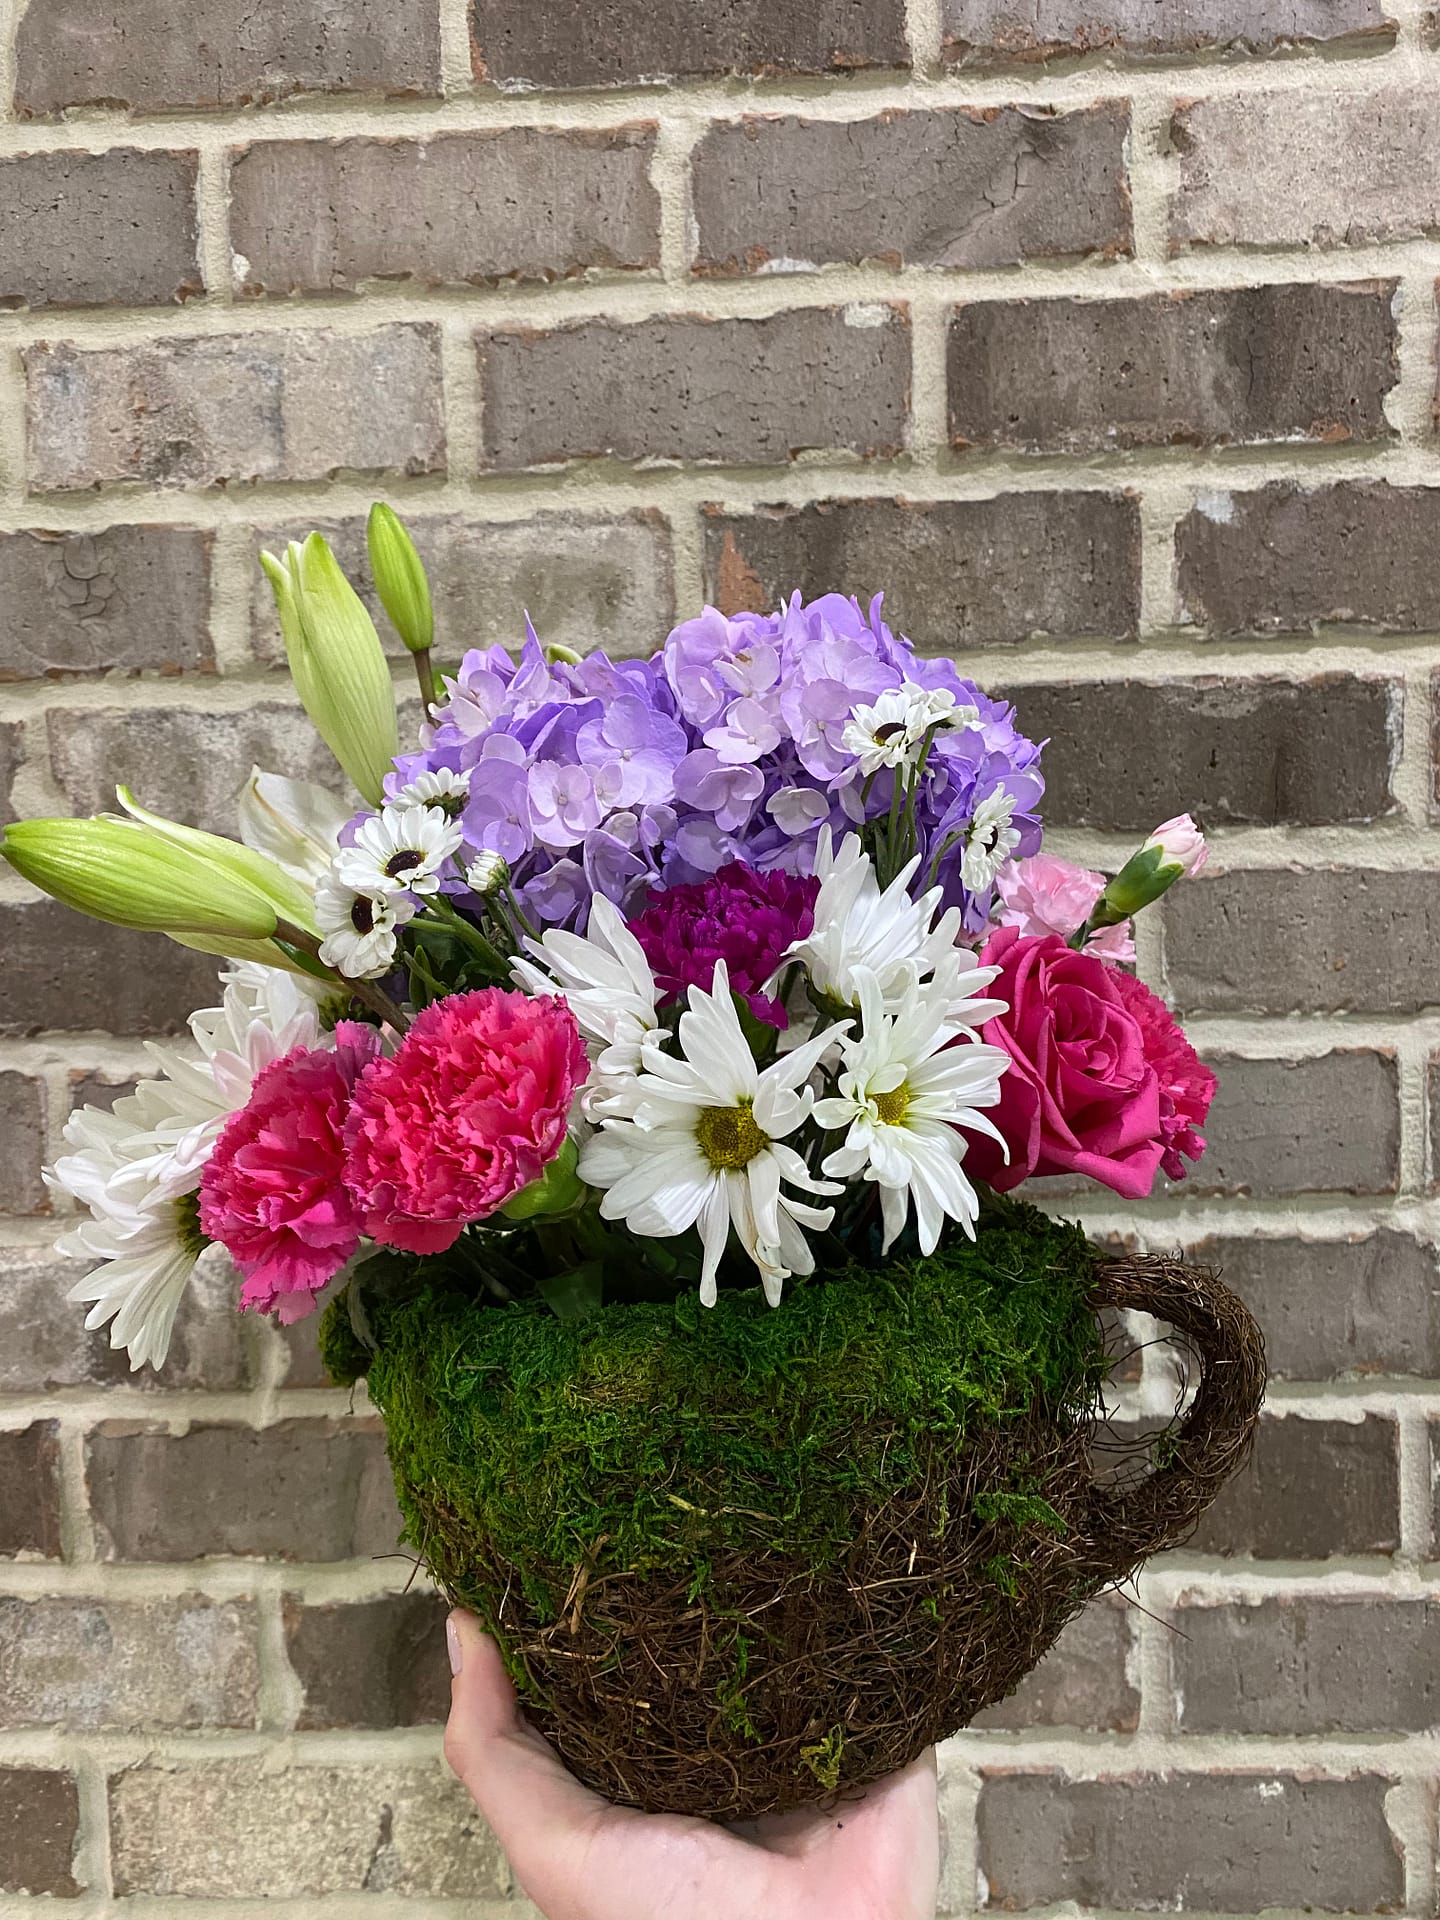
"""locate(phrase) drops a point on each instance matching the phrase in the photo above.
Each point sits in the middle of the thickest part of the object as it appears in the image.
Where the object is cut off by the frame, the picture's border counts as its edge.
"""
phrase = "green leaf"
(761, 1038)
(576, 1294)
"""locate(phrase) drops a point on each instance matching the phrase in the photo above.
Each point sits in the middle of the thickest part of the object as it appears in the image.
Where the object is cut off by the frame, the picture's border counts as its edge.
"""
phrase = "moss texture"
(655, 1438)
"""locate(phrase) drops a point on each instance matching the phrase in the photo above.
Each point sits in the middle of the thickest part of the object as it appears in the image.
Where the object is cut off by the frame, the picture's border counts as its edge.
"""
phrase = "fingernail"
(452, 1644)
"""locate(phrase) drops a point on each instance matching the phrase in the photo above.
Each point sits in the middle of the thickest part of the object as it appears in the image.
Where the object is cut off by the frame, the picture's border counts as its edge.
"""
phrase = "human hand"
(580, 1858)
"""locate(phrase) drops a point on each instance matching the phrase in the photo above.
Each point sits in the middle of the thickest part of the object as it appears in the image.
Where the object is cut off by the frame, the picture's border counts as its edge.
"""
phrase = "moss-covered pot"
(741, 1558)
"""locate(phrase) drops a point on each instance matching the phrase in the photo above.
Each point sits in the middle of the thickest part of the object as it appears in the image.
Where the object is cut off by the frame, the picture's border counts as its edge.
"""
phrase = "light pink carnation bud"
(1044, 895)
(1181, 842)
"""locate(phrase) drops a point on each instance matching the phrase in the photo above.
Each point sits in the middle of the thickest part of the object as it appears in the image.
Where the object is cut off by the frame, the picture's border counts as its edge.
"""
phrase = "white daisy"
(137, 1169)
(359, 928)
(606, 981)
(487, 873)
(891, 732)
(399, 850)
(699, 1141)
(442, 787)
(989, 840)
(904, 1090)
(858, 929)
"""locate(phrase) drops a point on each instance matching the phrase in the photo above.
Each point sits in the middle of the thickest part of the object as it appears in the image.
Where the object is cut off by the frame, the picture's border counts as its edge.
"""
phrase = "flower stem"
(425, 674)
(368, 992)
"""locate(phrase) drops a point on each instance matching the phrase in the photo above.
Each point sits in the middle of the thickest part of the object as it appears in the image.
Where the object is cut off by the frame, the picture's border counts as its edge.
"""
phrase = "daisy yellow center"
(891, 1106)
(729, 1137)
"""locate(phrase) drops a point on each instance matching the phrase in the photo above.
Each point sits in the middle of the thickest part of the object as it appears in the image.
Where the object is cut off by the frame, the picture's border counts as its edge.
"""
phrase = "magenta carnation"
(273, 1192)
(470, 1109)
(1187, 1086)
(744, 918)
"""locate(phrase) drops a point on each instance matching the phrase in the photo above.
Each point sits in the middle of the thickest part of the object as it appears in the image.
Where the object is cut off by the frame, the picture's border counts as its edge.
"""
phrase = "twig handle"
(1213, 1440)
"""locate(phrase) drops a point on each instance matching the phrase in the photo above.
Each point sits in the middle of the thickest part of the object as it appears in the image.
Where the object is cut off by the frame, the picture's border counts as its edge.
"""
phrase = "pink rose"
(1045, 895)
(1081, 1095)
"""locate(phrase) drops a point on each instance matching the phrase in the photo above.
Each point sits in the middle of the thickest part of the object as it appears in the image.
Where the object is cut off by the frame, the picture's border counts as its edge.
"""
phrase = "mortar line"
(457, 77)
(925, 34)
(10, 13)
(677, 136)
(212, 206)
(1151, 181)
(1416, 1494)
(462, 401)
(1359, 69)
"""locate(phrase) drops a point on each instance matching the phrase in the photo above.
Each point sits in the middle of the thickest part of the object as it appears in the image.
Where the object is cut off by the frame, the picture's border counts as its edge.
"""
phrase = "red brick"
(1328, 940)
(992, 32)
(586, 581)
(137, 1665)
(738, 392)
(1220, 1843)
(1333, 1308)
(79, 53)
(127, 599)
(956, 573)
(1288, 559)
(1313, 1489)
(22, 1143)
(299, 1490)
(1280, 1127)
(968, 187)
(1239, 366)
(30, 1490)
(470, 209)
(1126, 754)
(39, 1831)
(1307, 1664)
(370, 1663)
(616, 43)
(98, 229)
(68, 974)
(225, 409)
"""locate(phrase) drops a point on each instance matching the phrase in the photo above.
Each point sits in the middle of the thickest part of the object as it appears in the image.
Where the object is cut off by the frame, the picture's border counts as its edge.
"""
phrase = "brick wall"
(1103, 336)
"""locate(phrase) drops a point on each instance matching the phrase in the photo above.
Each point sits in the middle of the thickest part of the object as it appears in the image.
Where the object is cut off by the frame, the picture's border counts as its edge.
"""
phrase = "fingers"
(540, 1814)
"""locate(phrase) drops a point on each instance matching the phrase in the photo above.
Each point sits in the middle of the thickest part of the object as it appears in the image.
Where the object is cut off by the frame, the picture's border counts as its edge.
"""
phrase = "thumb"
(540, 1813)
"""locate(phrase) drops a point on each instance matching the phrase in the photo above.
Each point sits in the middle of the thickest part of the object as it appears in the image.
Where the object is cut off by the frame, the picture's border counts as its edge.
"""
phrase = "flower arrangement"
(644, 997)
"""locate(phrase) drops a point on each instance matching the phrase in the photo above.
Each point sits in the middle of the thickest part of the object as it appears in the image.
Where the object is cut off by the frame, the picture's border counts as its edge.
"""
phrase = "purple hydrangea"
(745, 918)
(621, 776)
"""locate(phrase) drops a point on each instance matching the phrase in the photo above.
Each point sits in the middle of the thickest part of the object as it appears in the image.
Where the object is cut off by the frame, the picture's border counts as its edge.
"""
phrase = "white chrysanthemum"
(890, 732)
(989, 840)
(443, 787)
(359, 928)
(137, 1169)
(605, 979)
(907, 1092)
(860, 930)
(399, 850)
(699, 1141)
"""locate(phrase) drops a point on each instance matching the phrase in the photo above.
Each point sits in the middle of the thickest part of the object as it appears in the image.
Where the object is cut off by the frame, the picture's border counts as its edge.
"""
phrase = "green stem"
(425, 674)
(471, 935)
(368, 992)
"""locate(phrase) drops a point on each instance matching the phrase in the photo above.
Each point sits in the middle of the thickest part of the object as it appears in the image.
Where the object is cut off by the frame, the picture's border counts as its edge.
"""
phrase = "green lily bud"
(291, 900)
(1175, 849)
(265, 953)
(400, 578)
(131, 877)
(558, 1190)
(336, 662)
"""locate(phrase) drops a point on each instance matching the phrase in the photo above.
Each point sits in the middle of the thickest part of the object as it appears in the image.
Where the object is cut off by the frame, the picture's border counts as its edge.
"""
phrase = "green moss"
(655, 1437)
(826, 1758)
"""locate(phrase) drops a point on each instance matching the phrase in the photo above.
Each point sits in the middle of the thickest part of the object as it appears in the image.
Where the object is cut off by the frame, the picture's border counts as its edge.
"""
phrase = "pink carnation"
(1045, 895)
(273, 1192)
(1187, 1086)
(471, 1108)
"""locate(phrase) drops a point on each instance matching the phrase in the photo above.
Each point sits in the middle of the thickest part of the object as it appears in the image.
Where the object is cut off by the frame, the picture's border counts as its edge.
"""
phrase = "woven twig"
(848, 1674)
